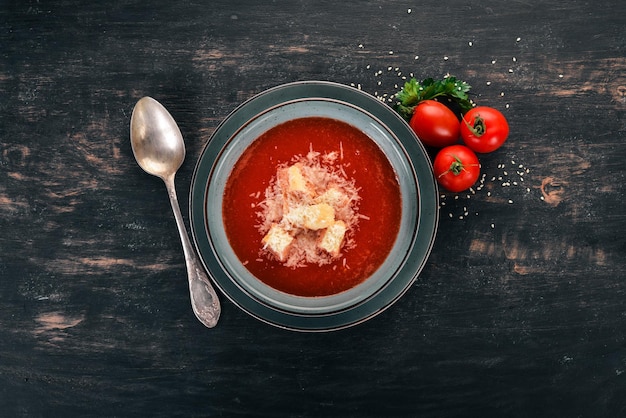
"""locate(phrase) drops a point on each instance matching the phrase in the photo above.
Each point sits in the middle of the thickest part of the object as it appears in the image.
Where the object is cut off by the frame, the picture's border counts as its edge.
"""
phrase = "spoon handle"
(204, 300)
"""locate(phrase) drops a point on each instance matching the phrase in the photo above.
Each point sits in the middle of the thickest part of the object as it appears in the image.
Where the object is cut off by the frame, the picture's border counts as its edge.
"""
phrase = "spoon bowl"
(159, 149)
(156, 139)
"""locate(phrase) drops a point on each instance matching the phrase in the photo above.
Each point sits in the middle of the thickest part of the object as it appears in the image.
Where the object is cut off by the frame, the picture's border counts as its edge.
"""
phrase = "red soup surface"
(359, 159)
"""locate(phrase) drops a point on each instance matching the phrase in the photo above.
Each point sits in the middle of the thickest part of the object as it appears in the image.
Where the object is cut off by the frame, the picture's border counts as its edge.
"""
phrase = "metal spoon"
(159, 149)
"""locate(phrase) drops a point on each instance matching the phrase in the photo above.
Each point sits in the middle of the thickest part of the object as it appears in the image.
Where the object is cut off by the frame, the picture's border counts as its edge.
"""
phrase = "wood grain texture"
(519, 311)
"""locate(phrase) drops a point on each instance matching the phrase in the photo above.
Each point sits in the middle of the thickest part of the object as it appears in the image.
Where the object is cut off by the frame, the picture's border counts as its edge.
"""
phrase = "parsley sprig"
(414, 92)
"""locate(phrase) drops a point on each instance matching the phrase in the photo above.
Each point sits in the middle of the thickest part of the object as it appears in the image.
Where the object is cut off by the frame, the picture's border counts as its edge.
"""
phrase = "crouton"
(292, 181)
(334, 197)
(278, 242)
(332, 238)
(295, 180)
(312, 217)
(318, 216)
(295, 188)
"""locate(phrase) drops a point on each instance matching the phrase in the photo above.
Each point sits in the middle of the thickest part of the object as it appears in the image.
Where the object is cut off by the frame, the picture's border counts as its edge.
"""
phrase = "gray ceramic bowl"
(417, 225)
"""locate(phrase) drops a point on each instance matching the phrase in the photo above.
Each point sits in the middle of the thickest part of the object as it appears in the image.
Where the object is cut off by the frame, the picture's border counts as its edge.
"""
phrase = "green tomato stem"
(456, 167)
(478, 128)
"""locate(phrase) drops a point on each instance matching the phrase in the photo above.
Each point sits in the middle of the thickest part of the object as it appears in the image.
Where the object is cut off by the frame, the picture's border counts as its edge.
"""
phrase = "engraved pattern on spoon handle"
(204, 300)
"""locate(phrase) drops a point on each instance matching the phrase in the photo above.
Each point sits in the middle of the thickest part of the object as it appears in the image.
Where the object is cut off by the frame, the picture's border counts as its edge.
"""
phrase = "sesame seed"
(493, 226)
(510, 201)
(445, 58)
(488, 83)
(518, 39)
(470, 43)
(409, 11)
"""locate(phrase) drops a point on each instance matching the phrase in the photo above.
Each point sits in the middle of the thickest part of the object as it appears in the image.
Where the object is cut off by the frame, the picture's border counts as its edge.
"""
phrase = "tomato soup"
(362, 166)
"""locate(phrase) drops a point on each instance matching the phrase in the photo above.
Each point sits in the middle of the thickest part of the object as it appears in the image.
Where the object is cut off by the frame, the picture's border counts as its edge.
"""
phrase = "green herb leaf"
(414, 92)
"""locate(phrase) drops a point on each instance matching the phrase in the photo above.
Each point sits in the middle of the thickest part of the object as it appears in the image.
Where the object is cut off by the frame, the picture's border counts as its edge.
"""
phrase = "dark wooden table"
(520, 310)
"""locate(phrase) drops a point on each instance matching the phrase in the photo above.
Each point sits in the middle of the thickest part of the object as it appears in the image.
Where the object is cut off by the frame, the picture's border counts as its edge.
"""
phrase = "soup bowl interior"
(238, 143)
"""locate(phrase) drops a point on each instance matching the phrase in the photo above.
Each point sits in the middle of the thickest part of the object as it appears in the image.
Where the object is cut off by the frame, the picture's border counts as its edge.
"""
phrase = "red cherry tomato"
(484, 129)
(456, 168)
(435, 124)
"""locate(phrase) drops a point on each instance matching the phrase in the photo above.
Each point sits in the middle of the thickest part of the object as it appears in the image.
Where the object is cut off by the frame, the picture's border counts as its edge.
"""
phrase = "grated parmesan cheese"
(309, 211)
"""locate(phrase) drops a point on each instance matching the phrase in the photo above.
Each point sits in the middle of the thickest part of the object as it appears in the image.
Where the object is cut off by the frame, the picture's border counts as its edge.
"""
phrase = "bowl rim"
(237, 144)
(389, 290)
